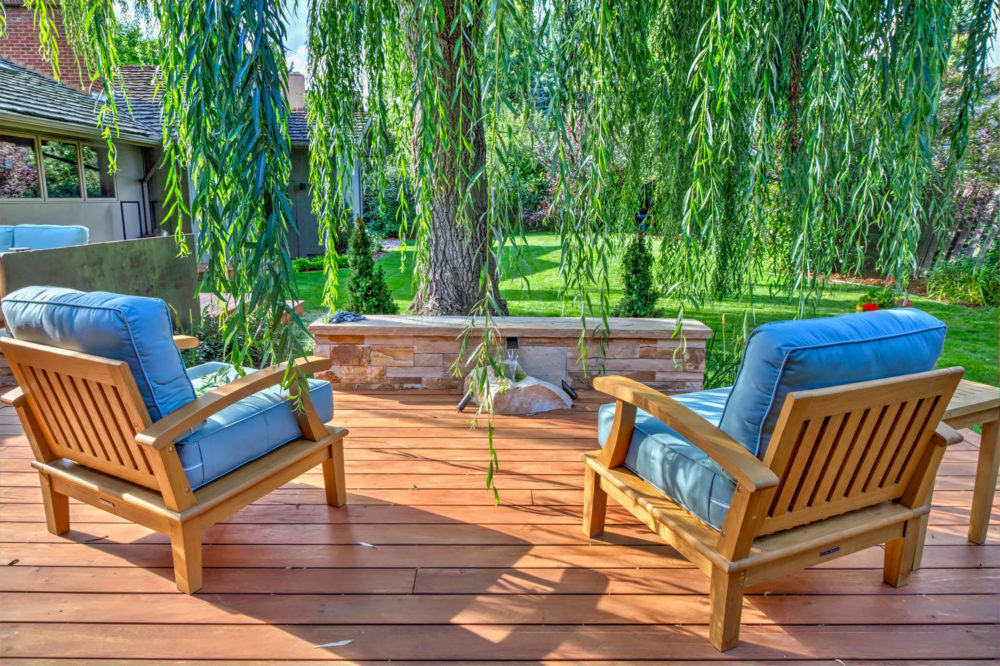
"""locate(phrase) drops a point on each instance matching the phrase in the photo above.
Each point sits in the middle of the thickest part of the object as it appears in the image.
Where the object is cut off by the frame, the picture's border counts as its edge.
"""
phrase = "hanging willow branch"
(787, 139)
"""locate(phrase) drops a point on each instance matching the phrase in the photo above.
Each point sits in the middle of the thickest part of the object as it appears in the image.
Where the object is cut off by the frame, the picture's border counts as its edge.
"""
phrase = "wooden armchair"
(848, 467)
(93, 440)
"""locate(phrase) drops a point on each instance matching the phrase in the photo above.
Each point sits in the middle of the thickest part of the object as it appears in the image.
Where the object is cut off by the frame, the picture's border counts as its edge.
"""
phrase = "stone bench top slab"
(416, 325)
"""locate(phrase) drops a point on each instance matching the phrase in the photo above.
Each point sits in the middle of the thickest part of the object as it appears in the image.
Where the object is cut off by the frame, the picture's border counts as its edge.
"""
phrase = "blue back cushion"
(786, 356)
(133, 329)
(6, 238)
(48, 236)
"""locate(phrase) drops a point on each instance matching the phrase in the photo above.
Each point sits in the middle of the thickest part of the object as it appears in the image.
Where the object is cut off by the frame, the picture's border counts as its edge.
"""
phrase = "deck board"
(421, 567)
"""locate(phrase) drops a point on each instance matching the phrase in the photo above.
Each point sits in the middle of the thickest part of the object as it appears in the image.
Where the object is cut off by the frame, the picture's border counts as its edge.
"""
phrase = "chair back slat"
(88, 408)
(847, 447)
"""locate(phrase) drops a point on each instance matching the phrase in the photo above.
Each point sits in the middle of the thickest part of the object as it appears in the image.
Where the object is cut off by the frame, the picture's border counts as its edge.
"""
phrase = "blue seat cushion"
(6, 237)
(245, 430)
(134, 329)
(668, 461)
(48, 236)
(782, 357)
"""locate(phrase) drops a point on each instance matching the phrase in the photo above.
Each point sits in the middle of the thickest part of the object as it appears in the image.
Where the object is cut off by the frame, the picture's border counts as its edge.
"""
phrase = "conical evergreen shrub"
(639, 299)
(368, 292)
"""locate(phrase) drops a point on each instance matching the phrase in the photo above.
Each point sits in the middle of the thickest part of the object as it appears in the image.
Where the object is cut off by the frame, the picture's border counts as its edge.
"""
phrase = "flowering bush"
(880, 299)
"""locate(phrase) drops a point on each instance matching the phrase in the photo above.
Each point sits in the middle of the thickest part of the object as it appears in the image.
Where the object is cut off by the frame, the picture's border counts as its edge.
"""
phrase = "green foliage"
(367, 289)
(724, 352)
(304, 264)
(879, 297)
(965, 282)
(639, 299)
(215, 345)
(133, 47)
(387, 213)
(226, 126)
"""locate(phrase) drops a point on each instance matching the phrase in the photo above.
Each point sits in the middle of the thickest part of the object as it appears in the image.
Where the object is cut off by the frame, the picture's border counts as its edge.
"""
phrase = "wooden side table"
(972, 404)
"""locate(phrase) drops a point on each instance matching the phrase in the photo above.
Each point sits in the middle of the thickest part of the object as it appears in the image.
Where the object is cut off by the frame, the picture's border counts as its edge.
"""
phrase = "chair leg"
(595, 504)
(56, 507)
(986, 481)
(918, 551)
(899, 555)
(185, 541)
(726, 603)
(333, 475)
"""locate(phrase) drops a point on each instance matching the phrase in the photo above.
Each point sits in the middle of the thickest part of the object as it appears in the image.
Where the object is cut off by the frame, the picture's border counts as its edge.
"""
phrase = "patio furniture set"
(828, 442)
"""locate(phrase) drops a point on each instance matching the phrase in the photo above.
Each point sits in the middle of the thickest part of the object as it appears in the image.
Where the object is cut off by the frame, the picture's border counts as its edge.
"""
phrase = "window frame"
(43, 180)
(83, 173)
(38, 165)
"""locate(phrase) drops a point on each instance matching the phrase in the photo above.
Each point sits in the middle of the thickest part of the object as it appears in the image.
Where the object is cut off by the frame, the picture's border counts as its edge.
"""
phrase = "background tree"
(367, 289)
(134, 47)
(639, 294)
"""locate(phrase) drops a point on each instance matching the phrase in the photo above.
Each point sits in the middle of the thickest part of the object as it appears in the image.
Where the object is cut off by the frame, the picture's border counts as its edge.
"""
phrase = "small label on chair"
(829, 551)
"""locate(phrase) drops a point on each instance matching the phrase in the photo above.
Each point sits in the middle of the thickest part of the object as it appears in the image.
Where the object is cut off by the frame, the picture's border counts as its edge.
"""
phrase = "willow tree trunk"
(459, 249)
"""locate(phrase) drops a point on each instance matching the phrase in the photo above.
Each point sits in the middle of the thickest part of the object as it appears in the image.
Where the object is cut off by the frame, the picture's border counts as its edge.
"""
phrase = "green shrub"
(639, 298)
(368, 292)
(878, 298)
(212, 344)
(303, 264)
(964, 282)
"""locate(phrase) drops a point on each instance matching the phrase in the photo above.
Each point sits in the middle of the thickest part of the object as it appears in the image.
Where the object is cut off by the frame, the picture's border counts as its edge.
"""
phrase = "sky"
(295, 40)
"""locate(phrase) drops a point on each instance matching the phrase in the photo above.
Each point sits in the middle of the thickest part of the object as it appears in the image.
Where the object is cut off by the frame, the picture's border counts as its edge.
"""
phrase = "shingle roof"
(24, 93)
(141, 82)
(28, 95)
(298, 126)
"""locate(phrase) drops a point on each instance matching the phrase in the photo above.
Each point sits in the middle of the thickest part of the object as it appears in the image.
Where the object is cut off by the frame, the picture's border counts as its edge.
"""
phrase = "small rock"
(528, 396)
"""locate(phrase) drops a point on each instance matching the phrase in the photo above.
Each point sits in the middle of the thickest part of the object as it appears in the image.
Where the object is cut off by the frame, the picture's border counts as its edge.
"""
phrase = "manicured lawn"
(972, 340)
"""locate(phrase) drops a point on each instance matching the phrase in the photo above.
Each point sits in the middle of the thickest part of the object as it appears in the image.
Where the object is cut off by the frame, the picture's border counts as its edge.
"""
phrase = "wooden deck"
(422, 567)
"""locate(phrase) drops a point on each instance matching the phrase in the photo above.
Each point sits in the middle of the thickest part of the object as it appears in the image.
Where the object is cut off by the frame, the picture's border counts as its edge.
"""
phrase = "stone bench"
(408, 351)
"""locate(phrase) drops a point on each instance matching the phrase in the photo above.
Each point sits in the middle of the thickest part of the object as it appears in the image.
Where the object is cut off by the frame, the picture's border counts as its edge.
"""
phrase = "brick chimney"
(22, 46)
(296, 91)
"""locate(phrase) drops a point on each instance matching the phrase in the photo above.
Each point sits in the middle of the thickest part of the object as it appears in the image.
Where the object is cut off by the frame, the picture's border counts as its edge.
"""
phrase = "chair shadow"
(347, 592)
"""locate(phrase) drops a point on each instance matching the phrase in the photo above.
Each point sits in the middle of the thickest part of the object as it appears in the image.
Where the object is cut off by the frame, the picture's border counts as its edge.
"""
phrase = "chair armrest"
(164, 431)
(186, 341)
(945, 435)
(14, 397)
(723, 449)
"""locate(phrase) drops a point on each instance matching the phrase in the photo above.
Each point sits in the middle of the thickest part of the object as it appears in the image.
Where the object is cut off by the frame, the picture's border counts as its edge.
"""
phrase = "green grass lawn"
(972, 340)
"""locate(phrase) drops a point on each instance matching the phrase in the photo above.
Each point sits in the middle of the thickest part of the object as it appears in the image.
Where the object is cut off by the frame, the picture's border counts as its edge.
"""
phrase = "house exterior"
(54, 162)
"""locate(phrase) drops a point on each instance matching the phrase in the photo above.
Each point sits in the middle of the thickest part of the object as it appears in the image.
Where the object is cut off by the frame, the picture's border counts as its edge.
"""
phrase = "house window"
(98, 182)
(61, 162)
(18, 168)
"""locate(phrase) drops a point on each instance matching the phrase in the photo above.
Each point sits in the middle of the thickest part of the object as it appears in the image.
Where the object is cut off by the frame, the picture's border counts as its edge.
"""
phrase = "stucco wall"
(144, 267)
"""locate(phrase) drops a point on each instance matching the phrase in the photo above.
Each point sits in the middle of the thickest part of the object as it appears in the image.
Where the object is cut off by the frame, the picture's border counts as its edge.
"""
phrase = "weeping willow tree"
(783, 138)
